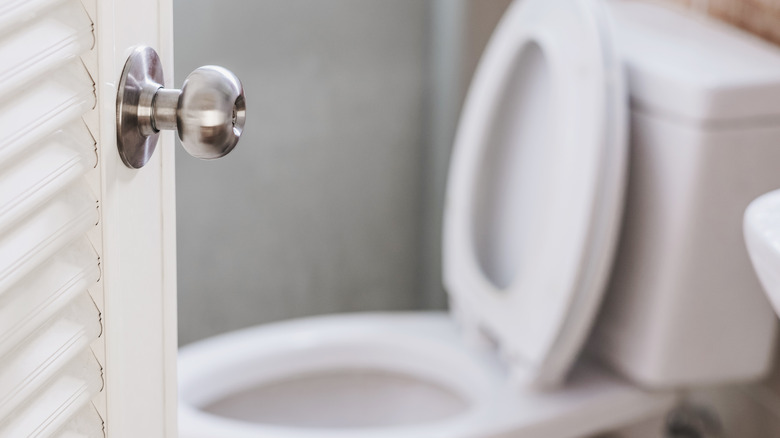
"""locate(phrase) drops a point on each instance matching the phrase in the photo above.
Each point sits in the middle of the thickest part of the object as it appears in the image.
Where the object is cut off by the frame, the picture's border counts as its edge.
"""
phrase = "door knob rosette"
(208, 112)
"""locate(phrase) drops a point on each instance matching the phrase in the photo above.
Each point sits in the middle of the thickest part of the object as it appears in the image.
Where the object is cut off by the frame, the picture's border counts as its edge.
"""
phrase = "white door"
(87, 245)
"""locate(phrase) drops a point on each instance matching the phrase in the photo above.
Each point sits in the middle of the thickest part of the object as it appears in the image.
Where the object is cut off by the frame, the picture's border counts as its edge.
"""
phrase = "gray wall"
(458, 33)
(332, 201)
(318, 208)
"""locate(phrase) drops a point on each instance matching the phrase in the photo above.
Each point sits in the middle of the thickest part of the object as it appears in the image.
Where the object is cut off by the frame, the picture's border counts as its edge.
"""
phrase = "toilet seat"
(536, 184)
(425, 345)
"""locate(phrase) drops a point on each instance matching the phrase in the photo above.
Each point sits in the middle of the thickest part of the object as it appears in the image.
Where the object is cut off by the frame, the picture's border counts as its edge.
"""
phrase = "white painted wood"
(138, 214)
(49, 374)
(87, 246)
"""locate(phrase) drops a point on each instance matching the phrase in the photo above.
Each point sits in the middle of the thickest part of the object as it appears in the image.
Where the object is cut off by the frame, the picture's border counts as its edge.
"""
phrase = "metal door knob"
(208, 112)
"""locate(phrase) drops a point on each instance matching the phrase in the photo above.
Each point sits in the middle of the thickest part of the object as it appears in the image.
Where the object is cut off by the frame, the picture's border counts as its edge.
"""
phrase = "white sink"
(762, 236)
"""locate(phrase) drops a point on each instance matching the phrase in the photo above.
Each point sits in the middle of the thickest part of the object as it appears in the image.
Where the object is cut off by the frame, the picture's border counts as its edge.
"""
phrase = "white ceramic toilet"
(591, 273)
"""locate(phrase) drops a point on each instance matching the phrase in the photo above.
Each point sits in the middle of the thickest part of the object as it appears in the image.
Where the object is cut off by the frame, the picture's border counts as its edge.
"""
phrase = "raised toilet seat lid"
(536, 186)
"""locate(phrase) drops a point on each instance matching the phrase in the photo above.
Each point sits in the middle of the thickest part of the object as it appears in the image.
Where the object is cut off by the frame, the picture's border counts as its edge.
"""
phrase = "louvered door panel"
(50, 278)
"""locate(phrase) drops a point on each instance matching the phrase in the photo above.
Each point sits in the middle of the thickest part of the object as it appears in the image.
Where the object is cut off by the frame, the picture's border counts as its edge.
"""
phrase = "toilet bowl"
(587, 284)
(382, 375)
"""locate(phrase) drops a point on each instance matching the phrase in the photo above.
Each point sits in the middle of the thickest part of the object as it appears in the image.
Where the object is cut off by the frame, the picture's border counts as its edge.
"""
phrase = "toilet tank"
(684, 307)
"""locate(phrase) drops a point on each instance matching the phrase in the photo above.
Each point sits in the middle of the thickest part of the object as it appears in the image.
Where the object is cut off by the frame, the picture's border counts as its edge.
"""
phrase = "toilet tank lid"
(694, 68)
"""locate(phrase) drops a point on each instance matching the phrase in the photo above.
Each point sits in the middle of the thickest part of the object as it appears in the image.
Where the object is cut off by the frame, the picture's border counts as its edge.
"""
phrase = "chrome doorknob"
(208, 112)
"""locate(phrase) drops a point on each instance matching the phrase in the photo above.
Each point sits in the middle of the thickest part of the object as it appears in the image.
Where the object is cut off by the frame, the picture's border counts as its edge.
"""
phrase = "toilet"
(593, 251)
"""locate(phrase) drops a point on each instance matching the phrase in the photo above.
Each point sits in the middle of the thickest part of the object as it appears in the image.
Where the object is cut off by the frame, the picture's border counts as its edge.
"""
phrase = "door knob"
(208, 112)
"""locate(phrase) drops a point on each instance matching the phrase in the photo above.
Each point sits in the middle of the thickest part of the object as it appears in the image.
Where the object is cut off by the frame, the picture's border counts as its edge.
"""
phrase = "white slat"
(57, 348)
(37, 176)
(14, 13)
(86, 424)
(44, 44)
(56, 404)
(51, 228)
(54, 101)
(49, 218)
(45, 292)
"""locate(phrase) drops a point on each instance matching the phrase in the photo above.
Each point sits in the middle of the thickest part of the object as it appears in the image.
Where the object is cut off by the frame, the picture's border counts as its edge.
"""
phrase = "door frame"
(138, 236)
